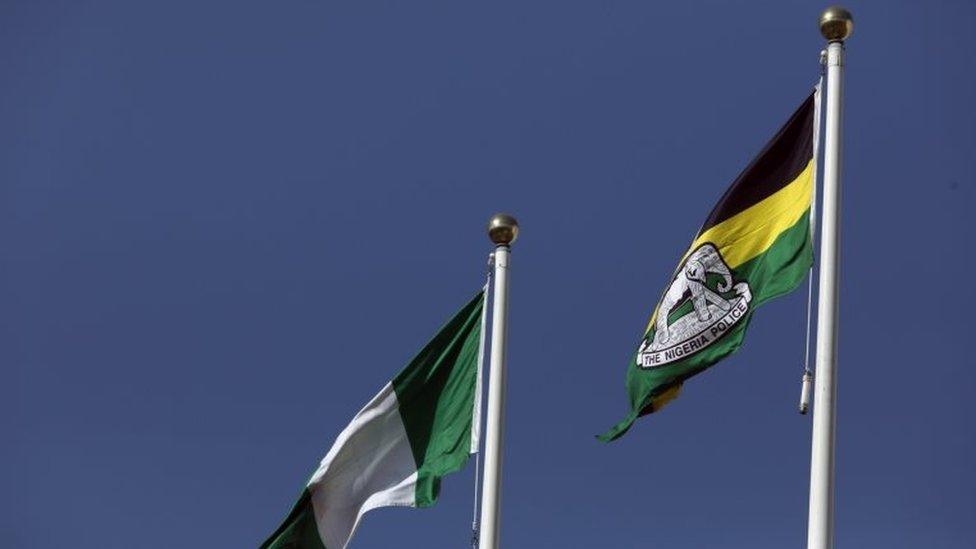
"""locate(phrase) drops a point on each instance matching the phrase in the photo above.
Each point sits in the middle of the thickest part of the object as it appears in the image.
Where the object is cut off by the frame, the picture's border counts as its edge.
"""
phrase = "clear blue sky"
(224, 225)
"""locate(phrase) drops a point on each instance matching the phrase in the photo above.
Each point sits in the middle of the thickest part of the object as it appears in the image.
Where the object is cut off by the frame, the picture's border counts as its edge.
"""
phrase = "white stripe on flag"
(370, 465)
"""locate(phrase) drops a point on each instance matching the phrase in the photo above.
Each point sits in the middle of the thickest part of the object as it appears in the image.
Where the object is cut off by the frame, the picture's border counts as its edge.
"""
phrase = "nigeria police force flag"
(422, 425)
(754, 246)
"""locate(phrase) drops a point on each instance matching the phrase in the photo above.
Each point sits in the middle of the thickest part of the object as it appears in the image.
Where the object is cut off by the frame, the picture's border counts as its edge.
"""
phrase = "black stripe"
(779, 163)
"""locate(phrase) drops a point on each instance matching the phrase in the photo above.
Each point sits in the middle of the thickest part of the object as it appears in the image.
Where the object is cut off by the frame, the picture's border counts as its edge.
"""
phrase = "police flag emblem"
(701, 305)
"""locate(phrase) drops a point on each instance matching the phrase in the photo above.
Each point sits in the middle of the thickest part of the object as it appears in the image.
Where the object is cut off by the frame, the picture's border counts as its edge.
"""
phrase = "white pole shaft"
(491, 484)
(820, 533)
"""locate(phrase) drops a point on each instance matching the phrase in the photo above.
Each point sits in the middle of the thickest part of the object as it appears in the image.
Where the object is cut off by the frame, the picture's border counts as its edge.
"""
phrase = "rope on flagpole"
(807, 382)
(475, 530)
(474, 518)
(807, 372)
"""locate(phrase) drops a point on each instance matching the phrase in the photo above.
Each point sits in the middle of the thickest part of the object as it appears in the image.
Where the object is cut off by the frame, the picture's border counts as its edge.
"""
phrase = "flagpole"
(836, 24)
(502, 230)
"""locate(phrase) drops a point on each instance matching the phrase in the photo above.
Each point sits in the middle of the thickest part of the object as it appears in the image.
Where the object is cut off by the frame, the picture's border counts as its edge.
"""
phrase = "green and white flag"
(421, 426)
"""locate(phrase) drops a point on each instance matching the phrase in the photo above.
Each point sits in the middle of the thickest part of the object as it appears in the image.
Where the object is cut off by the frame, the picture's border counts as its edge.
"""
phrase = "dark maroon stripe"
(779, 163)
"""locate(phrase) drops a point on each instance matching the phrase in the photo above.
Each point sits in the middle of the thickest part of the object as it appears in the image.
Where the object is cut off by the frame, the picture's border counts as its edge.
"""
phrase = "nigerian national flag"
(754, 246)
(422, 425)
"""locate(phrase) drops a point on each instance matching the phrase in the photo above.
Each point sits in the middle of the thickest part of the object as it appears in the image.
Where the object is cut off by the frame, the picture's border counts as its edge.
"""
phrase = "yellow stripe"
(666, 397)
(752, 231)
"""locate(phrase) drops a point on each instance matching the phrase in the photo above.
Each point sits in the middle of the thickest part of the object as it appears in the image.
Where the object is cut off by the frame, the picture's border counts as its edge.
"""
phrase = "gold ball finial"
(503, 229)
(836, 24)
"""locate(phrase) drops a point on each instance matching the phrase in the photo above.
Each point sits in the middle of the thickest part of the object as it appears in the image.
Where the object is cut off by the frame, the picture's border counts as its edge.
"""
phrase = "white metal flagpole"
(836, 24)
(502, 230)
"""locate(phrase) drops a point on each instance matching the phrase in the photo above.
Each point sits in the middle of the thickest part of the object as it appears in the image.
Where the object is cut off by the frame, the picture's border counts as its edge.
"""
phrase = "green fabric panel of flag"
(436, 396)
(299, 530)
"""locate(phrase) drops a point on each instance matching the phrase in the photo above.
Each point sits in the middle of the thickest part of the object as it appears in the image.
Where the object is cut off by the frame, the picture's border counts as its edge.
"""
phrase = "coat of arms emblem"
(701, 304)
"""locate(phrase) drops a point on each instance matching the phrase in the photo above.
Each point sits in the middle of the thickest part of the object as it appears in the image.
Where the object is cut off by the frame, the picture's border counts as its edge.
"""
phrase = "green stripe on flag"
(783, 266)
(298, 531)
(436, 396)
